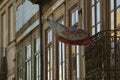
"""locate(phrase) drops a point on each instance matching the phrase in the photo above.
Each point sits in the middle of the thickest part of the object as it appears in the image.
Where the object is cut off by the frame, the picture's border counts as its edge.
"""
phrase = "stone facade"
(32, 51)
(7, 37)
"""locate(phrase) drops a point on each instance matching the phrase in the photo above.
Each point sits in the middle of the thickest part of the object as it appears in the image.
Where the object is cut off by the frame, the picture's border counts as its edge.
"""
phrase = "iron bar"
(41, 40)
(115, 39)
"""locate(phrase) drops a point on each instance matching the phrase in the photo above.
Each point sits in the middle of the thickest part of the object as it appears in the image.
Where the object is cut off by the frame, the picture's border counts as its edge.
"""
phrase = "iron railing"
(101, 61)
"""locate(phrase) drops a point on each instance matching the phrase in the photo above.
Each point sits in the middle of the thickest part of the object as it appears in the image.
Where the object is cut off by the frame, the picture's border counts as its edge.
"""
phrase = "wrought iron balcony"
(3, 64)
(101, 61)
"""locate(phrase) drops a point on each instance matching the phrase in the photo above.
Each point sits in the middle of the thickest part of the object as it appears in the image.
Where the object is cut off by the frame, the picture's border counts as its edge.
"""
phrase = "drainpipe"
(41, 40)
(40, 32)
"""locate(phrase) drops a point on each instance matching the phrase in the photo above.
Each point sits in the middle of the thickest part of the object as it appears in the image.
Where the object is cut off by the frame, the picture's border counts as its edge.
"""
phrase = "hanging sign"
(69, 35)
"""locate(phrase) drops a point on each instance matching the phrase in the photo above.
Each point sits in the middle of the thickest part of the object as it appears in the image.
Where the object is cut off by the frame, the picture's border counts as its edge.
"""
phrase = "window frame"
(48, 48)
(37, 56)
(96, 27)
(28, 61)
(113, 9)
(74, 57)
(72, 10)
(62, 64)
(19, 65)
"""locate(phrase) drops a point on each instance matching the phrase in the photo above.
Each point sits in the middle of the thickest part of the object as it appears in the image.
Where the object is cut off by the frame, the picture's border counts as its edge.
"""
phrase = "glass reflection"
(93, 30)
(92, 2)
(78, 62)
(98, 12)
(98, 28)
(112, 21)
(112, 4)
(93, 16)
(118, 2)
(118, 17)
(61, 61)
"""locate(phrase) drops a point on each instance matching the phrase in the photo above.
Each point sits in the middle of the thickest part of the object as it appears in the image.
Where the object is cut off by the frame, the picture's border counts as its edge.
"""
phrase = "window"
(49, 55)
(61, 52)
(74, 16)
(115, 14)
(19, 66)
(37, 59)
(75, 61)
(28, 62)
(118, 13)
(95, 15)
(112, 14)
(115, 24)
(61, 55)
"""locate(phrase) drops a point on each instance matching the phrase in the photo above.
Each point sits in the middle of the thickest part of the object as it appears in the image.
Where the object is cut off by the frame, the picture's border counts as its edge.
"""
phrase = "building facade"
(7, 40)
(31, 51)
(59, 61)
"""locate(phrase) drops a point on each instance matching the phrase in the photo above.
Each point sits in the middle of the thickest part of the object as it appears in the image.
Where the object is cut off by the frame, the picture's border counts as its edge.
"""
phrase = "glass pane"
(73, 19)
(112, 4)
(93, 30)
(37, 44)
(77, 47)
(28, 51)
(51, 76)
(48, 75)
(49, 63)
(48, 59)
(60, 52)
(39, 62)
(50, 35)
(60, 72)
(63, 52)
(93, 16)
(112, 21)
(37, 71)
(118, 17)
(98, 12)
(29, 70)
(61, 61)
(78, 67)
(63, 71)
(78, 62)
(93, 2)
(98, 27)
(51, 58)
(118, 2)
(76, 16)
